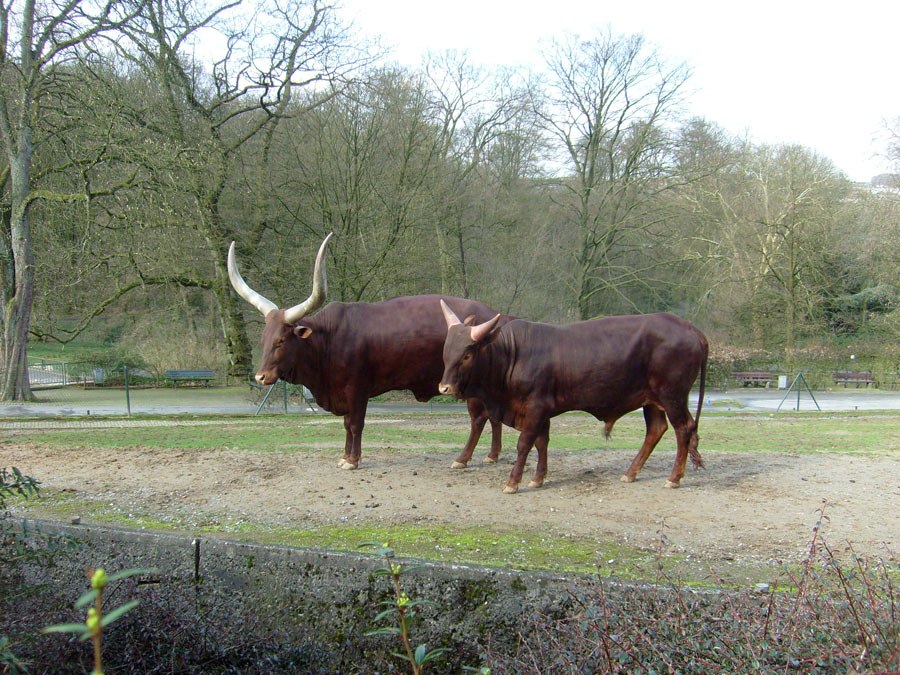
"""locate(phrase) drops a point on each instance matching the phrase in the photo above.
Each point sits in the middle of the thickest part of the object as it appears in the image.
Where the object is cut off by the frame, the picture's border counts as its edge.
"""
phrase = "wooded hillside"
(141, 139)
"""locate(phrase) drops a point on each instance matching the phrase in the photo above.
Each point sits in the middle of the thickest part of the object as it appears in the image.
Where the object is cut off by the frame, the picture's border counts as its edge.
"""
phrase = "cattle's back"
(594, 364)
(396, 343)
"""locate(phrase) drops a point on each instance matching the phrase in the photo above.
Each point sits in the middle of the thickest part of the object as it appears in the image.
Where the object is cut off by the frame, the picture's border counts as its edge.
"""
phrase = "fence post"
(127, 392)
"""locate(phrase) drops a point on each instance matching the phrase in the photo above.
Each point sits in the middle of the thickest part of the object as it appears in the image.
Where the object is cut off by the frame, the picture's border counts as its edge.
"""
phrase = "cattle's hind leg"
(540, 444)
(478, 416)
(685, 428)
(655, 419)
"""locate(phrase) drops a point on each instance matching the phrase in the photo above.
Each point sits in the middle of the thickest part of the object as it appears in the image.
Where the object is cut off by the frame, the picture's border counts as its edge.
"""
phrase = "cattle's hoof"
(490, 460)
(347, 466)
(535, 484)
(627, 479)
(458, 465)
(671, 485)
(510, 490)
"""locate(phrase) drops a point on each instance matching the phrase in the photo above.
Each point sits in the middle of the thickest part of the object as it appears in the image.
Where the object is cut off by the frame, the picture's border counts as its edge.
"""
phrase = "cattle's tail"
(695, 439)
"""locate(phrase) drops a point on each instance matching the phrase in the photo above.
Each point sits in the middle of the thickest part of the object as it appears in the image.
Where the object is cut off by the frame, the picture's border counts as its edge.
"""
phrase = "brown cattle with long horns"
(349, 352)
(527, 372)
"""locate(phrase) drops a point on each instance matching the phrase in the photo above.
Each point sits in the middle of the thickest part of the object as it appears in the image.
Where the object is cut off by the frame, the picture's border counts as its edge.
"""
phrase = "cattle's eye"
(467, 357)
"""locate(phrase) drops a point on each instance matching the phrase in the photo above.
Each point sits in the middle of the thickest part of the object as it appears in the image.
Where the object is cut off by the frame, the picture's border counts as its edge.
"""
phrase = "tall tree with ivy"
(37, 42)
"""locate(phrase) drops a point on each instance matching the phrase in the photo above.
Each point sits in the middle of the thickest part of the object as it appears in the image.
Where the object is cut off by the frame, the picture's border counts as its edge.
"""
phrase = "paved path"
(43, 415)
(837, 400)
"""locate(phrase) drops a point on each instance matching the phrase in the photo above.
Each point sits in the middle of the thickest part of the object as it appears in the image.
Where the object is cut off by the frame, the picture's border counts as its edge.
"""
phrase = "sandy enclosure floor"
(753, 506)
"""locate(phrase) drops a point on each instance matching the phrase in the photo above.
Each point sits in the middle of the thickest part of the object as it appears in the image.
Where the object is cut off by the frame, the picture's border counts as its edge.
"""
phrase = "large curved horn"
(482, 330)
(449, 315)
(319, 290)
(264, 305)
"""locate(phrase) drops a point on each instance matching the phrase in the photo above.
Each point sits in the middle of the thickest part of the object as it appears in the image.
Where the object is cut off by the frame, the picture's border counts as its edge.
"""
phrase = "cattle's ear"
(302, 331)
(469, 320)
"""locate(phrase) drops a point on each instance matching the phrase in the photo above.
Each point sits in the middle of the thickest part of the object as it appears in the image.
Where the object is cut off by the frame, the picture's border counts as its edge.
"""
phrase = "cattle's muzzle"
(265, 379)
(446, 389)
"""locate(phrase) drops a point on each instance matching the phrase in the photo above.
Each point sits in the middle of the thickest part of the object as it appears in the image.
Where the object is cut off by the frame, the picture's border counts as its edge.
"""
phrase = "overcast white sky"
(822, 74)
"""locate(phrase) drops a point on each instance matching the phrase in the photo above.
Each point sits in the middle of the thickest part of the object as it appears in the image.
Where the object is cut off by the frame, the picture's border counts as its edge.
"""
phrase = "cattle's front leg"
(478, 416)
(354, 421)
(523, 447)
(541, 443)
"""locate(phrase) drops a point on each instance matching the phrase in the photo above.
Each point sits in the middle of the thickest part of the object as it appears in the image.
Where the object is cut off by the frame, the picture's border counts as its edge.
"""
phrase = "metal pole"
(127, 392)
(796, 382)
(811, 395)
(266, 398)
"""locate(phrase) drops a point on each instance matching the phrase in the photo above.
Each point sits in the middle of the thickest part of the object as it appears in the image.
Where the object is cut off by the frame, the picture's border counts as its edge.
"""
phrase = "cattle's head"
(282, 336)
(461, 348)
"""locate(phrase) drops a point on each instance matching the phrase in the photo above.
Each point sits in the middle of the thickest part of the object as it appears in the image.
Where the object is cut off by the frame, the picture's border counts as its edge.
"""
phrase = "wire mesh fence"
(77, 388)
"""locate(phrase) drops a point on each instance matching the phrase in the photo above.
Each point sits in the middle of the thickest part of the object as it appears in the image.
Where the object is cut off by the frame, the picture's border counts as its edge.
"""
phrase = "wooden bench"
(846, 377)
(757, 378)
(189, 375)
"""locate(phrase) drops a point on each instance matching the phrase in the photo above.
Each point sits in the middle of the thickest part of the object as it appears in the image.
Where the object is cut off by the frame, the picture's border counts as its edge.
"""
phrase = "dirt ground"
(759, 507)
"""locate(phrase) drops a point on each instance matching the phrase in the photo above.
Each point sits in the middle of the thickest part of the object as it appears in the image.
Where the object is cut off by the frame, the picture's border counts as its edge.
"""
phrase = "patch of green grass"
(245, 437)
(439, 543)
(756, 432)
(63, 505)
(845, 434)
(213, 436)
(64, 352)
(726, 403)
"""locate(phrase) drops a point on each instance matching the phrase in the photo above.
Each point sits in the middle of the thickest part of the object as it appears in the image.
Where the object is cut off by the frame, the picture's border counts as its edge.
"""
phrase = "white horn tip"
(449, 315)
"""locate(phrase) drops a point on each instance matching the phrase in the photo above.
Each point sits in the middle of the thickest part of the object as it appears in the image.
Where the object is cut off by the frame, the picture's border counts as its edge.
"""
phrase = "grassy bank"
(856, 434)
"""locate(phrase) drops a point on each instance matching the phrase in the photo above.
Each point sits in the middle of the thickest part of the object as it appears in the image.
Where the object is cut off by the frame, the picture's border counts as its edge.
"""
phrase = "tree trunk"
(18, 287)
(443, 259)
(234, 330)
(585, 267)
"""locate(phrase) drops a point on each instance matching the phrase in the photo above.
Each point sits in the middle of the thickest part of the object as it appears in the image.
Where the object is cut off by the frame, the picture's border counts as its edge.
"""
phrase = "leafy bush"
(400, 612)
(180, 629)
(113, 357)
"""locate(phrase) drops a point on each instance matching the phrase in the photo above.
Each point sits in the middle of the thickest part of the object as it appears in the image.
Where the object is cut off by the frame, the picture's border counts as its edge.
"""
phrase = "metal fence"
(78, 388)
(49, 373)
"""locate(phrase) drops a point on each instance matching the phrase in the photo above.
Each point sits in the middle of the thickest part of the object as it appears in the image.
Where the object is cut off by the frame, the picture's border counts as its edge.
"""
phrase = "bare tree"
(609, 102)
(478, 116)
(770, 225)
(37, 40)
(228, 74)
(355, 167)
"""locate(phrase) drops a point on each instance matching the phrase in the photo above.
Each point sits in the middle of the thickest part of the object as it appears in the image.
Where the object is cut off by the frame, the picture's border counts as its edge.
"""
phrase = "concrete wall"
(331, 595)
